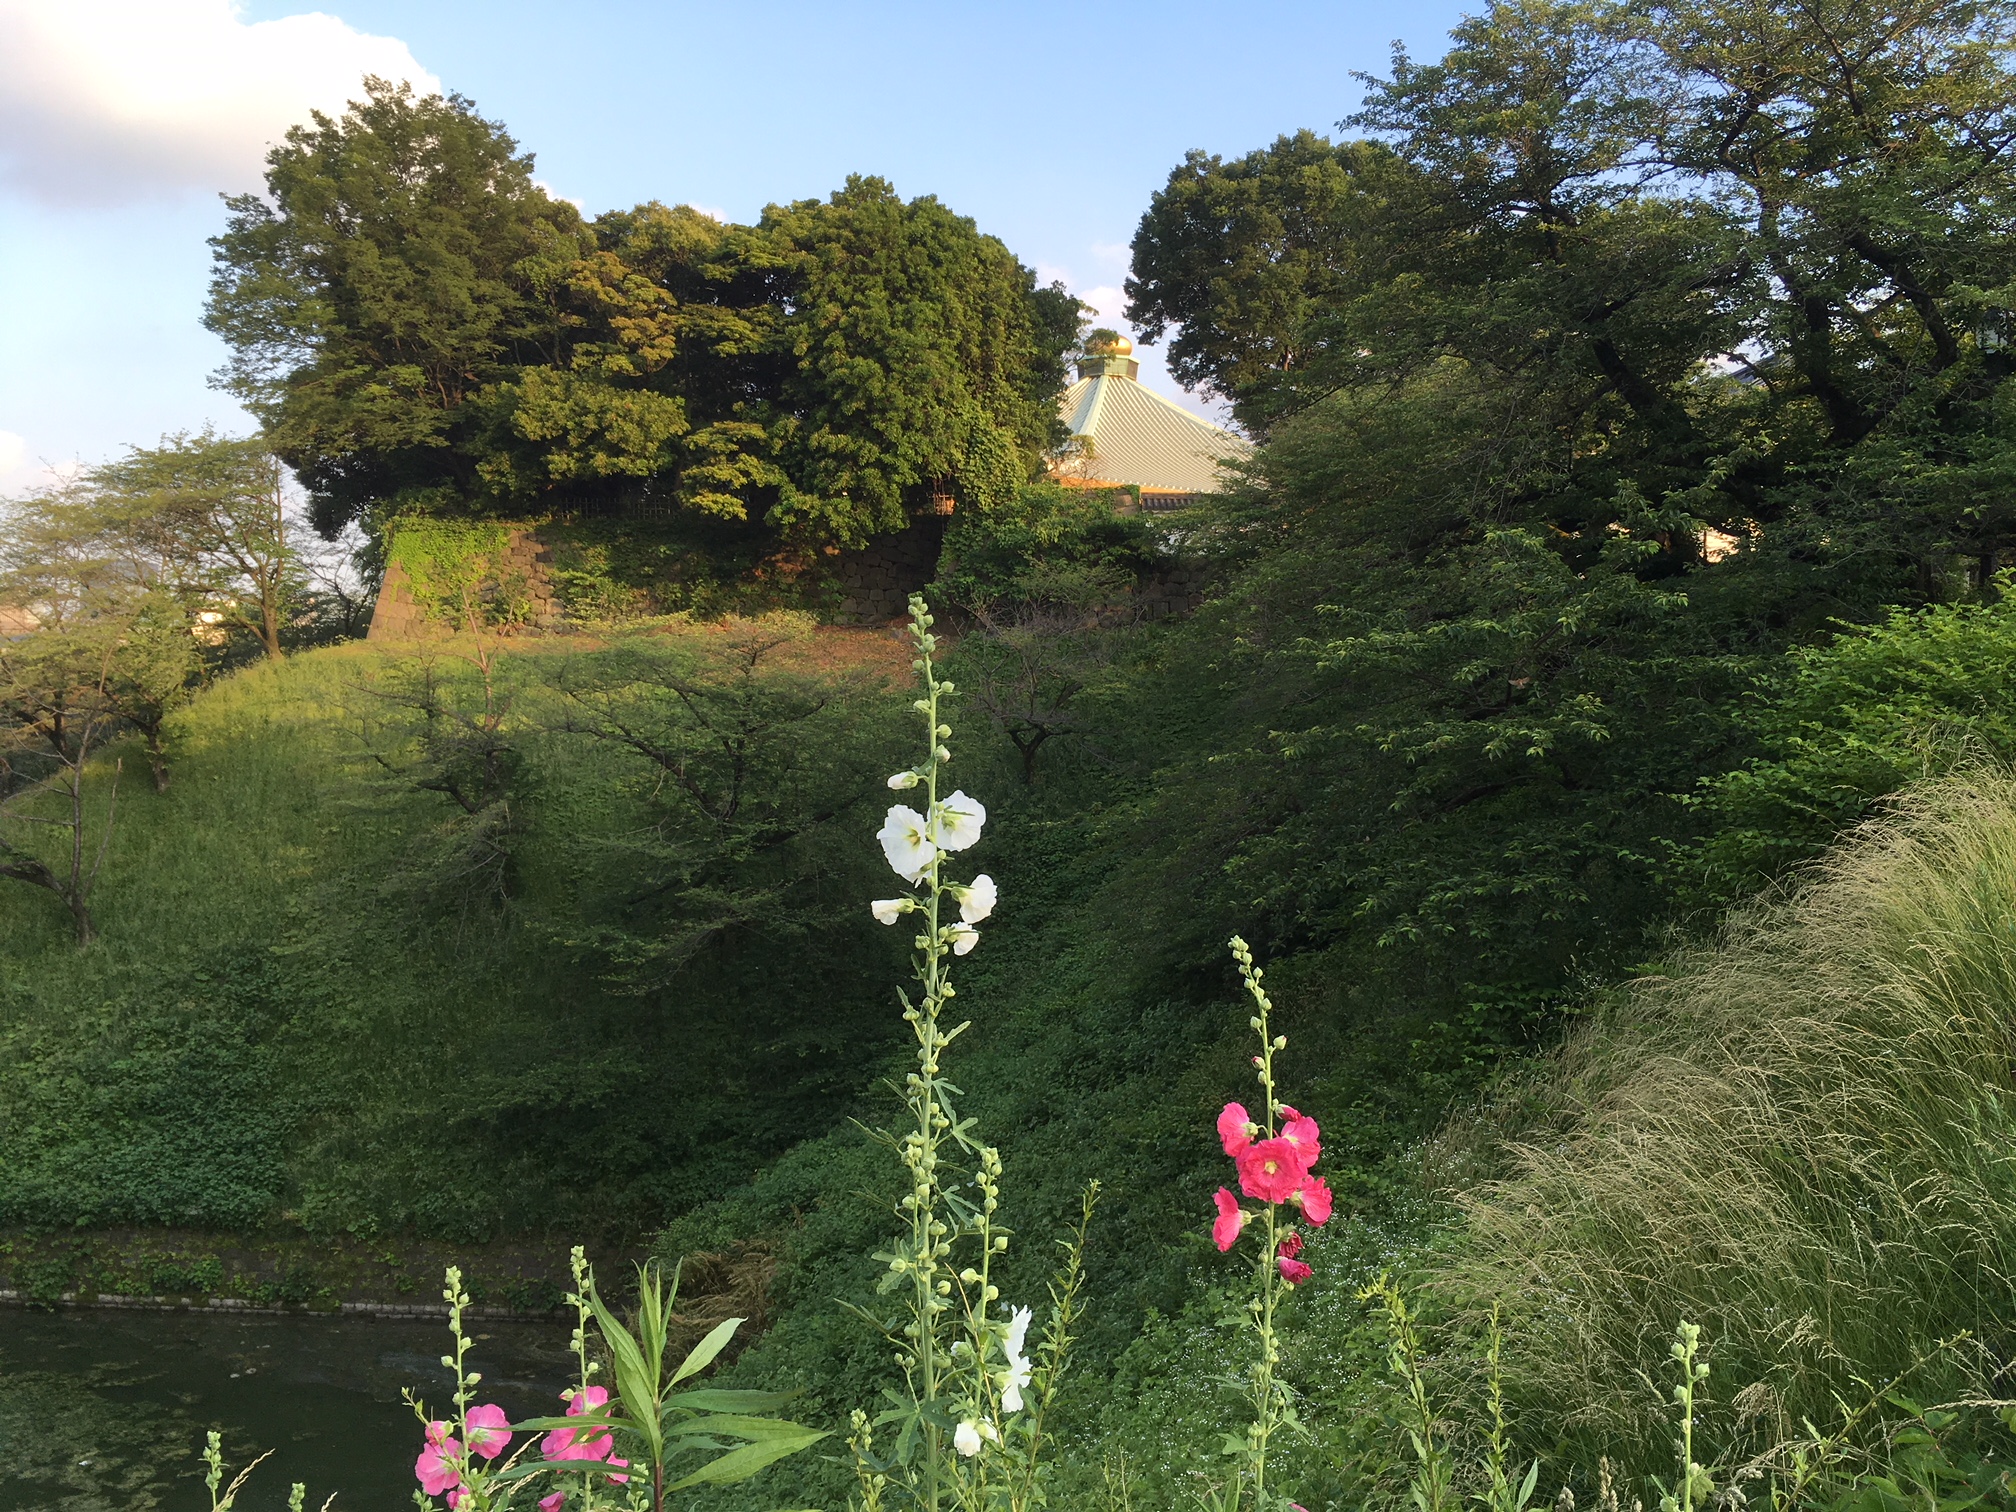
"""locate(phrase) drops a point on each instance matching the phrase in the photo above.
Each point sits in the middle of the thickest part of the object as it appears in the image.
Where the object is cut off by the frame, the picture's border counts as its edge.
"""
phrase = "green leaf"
(704, 1352)
(741, 1427)
(718, 1399)
(746, 1461)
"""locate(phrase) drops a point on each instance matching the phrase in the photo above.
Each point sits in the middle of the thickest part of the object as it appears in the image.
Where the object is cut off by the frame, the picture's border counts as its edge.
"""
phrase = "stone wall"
(522, 587)
(876, 582)
(1171, 594)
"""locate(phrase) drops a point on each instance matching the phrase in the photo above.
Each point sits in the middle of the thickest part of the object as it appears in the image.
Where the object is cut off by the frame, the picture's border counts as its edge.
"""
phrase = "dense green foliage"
(422, 329)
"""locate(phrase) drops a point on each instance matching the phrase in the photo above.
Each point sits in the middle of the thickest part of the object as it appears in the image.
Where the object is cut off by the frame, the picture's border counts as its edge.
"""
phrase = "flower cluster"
(974, 1431)
(578, 1443)
(444, 1462)
(1272, 1168)
(914, 842)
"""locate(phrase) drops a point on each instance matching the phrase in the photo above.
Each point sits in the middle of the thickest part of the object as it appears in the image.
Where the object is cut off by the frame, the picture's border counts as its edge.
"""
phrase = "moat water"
(106, 1410)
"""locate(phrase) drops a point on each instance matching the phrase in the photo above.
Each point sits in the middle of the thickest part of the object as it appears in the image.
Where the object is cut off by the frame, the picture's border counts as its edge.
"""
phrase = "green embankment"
(296, 1016)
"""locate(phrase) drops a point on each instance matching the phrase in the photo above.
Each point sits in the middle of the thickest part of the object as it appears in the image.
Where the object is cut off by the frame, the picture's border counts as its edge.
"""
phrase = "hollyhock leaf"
(977, 899)
(957, 821)
(1271, 1170)
(1231, 1219)
(905, 844)
(1235, 1128)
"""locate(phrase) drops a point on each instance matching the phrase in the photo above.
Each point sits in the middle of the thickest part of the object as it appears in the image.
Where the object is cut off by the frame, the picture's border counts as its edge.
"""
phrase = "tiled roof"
(1133, 435)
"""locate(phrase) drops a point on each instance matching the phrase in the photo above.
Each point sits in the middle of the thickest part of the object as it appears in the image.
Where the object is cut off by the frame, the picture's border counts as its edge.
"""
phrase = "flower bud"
(903, 780)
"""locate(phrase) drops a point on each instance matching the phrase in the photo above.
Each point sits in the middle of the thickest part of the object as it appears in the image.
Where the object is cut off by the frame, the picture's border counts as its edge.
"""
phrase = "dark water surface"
(105, 1411)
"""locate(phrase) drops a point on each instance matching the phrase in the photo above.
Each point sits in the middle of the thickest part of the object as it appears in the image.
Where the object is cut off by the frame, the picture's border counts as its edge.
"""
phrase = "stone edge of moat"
(238, 1307)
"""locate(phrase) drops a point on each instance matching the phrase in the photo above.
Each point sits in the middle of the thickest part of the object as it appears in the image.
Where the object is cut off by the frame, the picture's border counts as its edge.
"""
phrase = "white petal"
(966, 1439)
(903, 780)
(1011, 1398)
(977, 899)
(963, 937)
(1018, 1333)
(889, 910)
(956, 822)
(904, 842)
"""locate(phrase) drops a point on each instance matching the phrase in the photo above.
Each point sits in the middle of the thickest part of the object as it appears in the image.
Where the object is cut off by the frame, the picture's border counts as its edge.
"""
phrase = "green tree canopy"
(1710, 265)
(422, 328)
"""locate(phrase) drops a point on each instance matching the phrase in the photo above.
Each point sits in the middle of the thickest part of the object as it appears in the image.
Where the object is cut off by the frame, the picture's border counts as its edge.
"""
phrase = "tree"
(1672, 336)
(206, 518)
(438, 732)
(57, 710)
(399, 262)
(421, 329)
(741, 760)
(1242, 259)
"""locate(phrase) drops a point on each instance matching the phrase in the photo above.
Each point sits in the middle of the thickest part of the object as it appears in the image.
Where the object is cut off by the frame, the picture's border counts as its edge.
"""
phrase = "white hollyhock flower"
(977, 899)
(889, 910)
(956, 822)
(905, 842)
(962, 937)
(966, 1438)
(903, 780)
(1019, 1368)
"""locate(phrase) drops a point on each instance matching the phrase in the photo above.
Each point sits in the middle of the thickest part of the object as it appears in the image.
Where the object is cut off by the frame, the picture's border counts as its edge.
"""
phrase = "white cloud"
(1108, 304)
(109, 101)
(20, 473)
(710, 212)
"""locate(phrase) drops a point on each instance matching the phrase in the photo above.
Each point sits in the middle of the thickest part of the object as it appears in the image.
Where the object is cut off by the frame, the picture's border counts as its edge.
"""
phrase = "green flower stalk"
(1275, 1155)
(964, 1435)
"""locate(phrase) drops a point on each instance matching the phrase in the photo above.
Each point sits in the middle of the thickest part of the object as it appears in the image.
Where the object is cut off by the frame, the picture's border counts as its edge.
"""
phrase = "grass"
(274, 1027)
(1802, 1139)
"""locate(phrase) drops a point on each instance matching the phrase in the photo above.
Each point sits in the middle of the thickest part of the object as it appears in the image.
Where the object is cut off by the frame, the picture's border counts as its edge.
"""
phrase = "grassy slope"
(267, 1026)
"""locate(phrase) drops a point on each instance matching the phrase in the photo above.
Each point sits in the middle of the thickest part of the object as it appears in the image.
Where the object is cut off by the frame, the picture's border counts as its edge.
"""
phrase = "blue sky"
(1049, 124)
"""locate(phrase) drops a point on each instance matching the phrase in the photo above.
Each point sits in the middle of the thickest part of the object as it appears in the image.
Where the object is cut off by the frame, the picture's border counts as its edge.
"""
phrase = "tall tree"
(401, 259)
(422, 329)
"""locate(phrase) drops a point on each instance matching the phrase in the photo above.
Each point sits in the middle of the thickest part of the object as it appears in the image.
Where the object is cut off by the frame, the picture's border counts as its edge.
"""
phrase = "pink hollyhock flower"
(1271, 1169)
(456, 1497)
(1294, 1272)
(1236, 1128)
(1312, 1195)
(489, 1430)
(554, 1502)
(576, 1443)
(436, 1469)
(1303, 1134)
(1231, 1219)
(1290, 1246)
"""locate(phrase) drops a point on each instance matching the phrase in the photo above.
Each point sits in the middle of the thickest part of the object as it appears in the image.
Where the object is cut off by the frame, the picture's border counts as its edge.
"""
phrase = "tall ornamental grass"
(1803, 1139)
